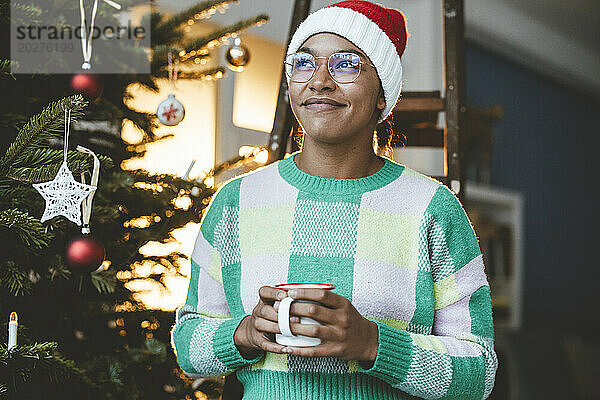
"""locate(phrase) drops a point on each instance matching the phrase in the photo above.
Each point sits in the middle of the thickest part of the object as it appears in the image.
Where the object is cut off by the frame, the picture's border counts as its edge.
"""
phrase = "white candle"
(12, 330)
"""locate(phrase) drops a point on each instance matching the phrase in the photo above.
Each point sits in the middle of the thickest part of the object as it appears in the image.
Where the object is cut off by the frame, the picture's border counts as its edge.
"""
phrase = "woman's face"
(359, 100)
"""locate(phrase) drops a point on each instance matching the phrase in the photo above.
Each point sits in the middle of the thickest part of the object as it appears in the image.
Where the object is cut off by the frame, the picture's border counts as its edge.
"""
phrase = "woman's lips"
(322, 106)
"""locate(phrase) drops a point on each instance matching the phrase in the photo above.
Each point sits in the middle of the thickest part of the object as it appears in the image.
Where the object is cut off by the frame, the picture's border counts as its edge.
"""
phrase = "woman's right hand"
(257, 331)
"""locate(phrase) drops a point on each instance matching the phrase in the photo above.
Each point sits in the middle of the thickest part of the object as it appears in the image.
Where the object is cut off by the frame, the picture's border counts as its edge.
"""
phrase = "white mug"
(286, 337)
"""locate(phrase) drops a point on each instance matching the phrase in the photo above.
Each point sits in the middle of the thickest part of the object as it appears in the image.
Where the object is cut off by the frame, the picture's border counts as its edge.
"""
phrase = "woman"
(411, 313)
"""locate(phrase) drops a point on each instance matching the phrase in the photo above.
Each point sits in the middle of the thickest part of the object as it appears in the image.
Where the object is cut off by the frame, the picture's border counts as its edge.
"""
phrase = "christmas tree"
(82, 334)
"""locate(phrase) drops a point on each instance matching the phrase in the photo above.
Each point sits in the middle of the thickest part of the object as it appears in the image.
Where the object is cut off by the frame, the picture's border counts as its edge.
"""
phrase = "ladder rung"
(420, 104)
(431, 137)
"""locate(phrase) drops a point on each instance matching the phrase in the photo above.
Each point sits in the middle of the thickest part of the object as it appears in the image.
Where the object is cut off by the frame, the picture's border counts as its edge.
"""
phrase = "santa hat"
(378, 31)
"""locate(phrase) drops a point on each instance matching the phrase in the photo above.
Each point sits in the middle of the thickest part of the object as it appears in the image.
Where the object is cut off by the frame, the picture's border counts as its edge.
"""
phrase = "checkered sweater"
(397, 244)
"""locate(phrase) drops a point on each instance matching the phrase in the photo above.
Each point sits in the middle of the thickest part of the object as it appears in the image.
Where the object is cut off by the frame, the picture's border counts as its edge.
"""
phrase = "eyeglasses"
(343, 67)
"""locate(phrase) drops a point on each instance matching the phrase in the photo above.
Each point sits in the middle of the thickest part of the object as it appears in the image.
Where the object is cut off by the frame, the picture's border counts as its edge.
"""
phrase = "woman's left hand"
(344, 334)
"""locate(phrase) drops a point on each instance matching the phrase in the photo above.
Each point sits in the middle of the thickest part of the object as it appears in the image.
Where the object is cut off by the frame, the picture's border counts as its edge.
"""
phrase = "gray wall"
(546, 147)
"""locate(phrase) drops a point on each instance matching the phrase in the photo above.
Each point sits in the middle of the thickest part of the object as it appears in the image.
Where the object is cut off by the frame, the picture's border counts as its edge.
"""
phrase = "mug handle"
(283, 316)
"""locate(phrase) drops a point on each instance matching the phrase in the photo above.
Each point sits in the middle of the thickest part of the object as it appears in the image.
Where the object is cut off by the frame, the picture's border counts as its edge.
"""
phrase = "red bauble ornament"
(85, 253)
(88, 84)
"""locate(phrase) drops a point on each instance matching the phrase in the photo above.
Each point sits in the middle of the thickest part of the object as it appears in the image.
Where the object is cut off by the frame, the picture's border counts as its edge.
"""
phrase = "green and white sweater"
(397, 244)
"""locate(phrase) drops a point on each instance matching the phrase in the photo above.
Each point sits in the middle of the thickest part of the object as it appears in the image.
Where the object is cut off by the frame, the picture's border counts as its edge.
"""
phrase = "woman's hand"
(257, 331)
(344, 334)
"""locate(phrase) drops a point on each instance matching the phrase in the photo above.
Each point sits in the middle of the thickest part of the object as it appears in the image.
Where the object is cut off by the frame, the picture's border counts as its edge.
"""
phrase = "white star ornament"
(63, 195)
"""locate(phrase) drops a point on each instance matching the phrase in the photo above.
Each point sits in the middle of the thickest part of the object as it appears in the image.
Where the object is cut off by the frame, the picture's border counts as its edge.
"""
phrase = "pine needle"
(29, 230)
(14, 279)
(42, 126)
(6, 68)
(172, 23)
(104, 281)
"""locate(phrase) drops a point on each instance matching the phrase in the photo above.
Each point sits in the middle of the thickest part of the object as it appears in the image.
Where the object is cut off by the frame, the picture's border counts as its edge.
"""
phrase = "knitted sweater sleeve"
(457, 360)
(202, 336)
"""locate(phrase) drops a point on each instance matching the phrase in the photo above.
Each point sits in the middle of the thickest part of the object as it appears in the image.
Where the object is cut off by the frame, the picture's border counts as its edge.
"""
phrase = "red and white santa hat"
(378, 31)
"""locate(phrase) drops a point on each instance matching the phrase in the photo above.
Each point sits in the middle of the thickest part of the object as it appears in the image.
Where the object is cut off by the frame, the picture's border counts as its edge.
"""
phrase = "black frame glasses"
(288, 66)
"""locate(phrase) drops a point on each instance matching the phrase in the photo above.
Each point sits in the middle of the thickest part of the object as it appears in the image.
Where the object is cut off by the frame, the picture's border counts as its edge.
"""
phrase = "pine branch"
(57, 269)
(61, 369)
(208, 41)
(200, 46)
(104, 281)
(171, 24)
(45, 355)
(14, 279)
(76, 161)
(160, 54)
(30, 231)
(6, 66)
(215, 73)
(19, 14)
(42, 126)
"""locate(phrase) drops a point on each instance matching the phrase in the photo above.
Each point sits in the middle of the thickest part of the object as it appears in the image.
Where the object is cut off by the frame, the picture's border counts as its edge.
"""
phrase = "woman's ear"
(381, 101)
(380, 98)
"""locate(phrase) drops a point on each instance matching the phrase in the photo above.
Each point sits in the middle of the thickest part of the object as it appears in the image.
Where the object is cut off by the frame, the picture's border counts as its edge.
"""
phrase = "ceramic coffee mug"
(286, 337)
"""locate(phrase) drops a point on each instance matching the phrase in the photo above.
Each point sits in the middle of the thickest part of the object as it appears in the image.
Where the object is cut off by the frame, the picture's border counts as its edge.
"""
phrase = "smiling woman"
(410, 315)
(337, 118)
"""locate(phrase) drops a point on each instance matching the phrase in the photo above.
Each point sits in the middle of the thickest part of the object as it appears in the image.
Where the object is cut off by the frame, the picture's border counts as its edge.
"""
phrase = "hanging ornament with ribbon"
(64, 194)
(170, 111)
(85, 253)
(87, 83)
(237, 55)
(86, 42)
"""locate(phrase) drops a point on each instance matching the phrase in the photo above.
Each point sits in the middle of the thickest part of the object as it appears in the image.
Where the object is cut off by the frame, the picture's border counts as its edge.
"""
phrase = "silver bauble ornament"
(237, 55)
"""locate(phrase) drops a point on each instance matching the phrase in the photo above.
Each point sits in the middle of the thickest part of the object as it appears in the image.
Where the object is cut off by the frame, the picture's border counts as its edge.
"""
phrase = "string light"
(183, 55)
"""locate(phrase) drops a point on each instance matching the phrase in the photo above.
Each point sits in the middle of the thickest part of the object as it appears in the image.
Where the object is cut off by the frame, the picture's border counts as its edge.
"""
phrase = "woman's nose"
(322, 78)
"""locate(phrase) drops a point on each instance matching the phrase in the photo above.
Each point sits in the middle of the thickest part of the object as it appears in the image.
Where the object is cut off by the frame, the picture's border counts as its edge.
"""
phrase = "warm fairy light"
(209, 181)
(260, 153)
(145, 324)
(106, 264)
(200, 395)
(126, 306)
(13, 323)
(182, 202)
(139, 223)
(262, 157)
(124, 275)
(155, 187)
(143, 269)
(130, 133)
